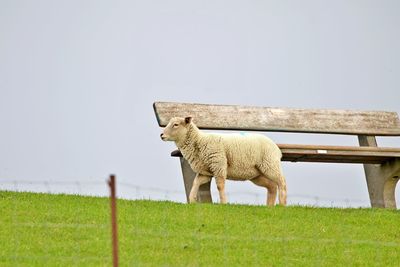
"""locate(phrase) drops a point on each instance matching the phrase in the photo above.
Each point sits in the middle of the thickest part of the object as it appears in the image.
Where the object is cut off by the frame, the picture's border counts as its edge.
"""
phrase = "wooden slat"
(333, 154)
(230, 117)
(299, 155)
(340, 148)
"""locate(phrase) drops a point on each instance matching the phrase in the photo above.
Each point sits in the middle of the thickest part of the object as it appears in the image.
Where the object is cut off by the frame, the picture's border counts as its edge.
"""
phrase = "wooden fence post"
(113, 203)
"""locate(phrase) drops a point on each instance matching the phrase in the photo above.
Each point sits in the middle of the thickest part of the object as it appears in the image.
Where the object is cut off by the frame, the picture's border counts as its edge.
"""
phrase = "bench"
(381, 164)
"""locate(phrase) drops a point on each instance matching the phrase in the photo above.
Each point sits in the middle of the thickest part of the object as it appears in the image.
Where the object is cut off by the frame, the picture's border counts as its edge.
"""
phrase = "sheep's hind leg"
(220, 181)
(282, 191)
(274, 172)
(271, 188)
(197, 182)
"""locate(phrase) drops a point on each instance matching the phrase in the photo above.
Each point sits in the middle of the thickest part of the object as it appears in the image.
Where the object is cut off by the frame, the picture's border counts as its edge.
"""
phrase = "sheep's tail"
(282, 189)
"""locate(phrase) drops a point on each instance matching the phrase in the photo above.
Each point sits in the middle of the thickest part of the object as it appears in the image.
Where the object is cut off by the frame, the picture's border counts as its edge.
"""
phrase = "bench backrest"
(232, 117)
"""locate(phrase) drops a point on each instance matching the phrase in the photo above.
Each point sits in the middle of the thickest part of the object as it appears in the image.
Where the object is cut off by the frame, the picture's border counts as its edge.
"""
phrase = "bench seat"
(333, 154)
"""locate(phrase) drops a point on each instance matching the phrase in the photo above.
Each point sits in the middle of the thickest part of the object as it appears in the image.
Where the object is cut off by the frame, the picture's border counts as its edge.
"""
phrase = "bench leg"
(381, 178)
(204, 194)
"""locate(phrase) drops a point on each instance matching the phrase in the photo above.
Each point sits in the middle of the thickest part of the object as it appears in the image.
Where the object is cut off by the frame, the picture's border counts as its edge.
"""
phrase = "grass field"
(66, 230)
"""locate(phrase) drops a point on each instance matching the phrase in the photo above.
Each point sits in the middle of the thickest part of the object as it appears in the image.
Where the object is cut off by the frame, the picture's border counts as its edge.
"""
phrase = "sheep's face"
(176, 129)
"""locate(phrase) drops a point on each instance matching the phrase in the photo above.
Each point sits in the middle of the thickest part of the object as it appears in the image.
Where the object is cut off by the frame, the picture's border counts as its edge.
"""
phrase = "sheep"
(238, 157)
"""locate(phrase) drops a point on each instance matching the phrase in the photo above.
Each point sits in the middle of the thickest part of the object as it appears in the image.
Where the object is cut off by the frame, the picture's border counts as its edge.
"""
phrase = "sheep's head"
(176, 129)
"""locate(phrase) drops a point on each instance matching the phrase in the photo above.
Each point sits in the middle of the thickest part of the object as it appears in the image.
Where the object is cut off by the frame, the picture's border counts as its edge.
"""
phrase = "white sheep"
(238, 157)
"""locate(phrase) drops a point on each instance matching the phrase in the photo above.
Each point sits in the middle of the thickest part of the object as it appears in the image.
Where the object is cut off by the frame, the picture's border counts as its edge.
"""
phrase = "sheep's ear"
(188, 120)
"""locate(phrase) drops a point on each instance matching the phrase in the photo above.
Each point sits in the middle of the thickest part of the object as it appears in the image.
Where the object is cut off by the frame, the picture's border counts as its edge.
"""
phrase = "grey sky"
(78, 79)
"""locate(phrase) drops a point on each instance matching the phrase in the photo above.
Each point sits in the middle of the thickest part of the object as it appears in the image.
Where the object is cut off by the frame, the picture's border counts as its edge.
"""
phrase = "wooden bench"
(381, 164)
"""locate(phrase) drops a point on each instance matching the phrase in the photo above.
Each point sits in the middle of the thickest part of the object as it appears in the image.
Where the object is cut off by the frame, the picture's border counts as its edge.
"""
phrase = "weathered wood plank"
(329, 158)
(340, 148)
(231, 117)
(333, 154)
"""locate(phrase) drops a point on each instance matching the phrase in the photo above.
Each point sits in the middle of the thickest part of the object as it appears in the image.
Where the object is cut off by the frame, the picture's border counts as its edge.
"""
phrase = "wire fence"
(132, 191)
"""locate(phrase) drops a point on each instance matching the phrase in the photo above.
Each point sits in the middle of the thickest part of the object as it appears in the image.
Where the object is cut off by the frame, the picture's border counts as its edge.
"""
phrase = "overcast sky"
(78, 79)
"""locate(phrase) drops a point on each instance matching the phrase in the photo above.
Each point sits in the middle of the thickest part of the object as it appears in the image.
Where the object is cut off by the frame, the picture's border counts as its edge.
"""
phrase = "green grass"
(66, 230)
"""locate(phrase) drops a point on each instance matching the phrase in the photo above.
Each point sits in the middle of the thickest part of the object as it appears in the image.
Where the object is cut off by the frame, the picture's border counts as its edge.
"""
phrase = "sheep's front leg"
(197, 182)
(218, 164)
